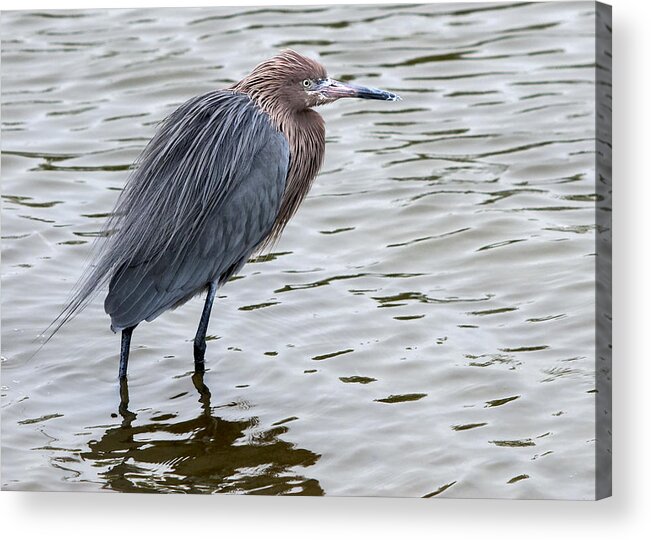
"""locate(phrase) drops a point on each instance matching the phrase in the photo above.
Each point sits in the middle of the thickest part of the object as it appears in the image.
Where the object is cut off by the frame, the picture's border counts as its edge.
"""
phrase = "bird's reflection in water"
(207, 454)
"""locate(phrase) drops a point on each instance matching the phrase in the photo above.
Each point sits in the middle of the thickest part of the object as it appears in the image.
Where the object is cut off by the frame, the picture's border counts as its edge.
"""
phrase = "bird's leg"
(200, 337)
(124, 351)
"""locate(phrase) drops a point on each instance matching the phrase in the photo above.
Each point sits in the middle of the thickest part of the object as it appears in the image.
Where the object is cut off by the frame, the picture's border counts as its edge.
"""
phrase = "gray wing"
(233, 164)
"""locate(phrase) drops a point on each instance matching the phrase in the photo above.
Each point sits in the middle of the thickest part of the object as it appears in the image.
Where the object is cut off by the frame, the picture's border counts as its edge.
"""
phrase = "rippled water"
(426, 324)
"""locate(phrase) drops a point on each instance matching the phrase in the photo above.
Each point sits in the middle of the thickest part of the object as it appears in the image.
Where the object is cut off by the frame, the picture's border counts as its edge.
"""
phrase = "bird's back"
(206, 193)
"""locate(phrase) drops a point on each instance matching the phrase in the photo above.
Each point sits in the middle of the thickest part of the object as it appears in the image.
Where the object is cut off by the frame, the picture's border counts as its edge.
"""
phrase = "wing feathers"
(204, 194)
(234, 170)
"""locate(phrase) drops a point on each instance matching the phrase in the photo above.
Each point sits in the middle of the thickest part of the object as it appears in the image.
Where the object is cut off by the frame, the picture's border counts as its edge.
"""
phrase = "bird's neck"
(305, 133)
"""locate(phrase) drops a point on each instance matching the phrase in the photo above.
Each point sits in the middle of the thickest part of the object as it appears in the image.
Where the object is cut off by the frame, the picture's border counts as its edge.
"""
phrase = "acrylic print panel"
(425, 326)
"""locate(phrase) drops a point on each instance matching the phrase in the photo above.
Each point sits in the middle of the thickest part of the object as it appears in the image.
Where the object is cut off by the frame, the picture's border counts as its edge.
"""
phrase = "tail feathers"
(84, 292)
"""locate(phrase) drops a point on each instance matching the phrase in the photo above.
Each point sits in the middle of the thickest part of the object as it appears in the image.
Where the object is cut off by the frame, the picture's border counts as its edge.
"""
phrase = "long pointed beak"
(332, 90)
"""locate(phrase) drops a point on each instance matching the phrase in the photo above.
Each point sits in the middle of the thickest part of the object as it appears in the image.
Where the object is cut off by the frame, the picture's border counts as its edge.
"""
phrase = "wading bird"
(219, 180)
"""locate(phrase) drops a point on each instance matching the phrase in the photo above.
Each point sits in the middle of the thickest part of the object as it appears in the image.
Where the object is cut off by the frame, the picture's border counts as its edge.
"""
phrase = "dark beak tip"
(336, 90)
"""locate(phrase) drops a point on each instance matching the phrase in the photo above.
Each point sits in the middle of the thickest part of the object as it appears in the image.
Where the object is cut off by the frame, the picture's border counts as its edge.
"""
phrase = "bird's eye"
(307, 83)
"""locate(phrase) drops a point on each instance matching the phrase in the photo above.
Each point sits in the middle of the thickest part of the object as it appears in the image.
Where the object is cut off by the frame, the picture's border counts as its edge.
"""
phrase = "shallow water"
(425, 326)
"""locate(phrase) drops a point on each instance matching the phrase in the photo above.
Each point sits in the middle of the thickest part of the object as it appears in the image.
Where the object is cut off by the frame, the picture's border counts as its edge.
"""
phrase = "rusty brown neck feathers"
(275, 86)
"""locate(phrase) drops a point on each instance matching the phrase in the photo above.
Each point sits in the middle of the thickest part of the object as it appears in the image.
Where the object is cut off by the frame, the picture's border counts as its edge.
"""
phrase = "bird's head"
(296, 82)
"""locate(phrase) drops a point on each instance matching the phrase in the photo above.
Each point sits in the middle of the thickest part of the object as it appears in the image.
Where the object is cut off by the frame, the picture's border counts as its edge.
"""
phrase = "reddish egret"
(220, 180)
